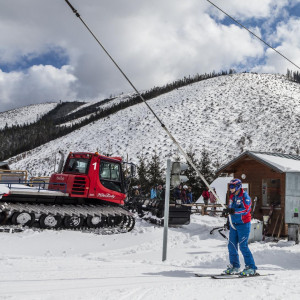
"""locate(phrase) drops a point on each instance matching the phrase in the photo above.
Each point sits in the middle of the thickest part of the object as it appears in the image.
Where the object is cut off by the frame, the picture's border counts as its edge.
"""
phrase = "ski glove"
(229, 210)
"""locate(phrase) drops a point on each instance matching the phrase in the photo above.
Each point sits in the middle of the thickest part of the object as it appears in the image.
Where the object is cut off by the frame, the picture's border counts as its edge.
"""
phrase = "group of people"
(209, 197)
(157, 192)
(183, 193)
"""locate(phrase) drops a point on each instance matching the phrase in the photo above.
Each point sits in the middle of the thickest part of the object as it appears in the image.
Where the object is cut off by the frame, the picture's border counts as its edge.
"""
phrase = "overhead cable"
(253, 33)
(142, 98)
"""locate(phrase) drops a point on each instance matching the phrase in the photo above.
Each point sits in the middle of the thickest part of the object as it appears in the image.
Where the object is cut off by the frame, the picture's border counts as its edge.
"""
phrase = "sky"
(46, 54)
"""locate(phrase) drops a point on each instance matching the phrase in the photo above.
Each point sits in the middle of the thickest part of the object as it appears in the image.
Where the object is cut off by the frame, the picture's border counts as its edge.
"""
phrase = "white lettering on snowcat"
(106, 195)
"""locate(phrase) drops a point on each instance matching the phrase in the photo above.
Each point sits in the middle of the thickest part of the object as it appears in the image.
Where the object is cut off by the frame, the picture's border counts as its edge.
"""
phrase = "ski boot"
(248, 272)
(231, 270)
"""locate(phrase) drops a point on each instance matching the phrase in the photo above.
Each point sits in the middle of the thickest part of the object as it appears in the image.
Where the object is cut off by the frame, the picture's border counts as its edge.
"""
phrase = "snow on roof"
(284, 163)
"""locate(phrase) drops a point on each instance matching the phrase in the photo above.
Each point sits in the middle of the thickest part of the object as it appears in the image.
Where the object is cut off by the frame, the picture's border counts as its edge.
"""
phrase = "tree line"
(151, 172)
(293, 75)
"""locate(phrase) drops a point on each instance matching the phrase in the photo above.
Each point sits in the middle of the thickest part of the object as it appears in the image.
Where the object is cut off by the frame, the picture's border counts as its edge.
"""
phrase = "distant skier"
(240, 210)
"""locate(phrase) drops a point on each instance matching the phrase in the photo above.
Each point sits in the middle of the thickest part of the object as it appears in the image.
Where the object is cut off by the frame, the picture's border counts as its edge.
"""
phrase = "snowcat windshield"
(78, 165)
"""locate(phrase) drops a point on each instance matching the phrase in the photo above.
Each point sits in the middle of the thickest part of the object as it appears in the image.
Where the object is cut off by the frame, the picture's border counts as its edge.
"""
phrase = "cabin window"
(271, 192)
(77, 165)
(245, 187)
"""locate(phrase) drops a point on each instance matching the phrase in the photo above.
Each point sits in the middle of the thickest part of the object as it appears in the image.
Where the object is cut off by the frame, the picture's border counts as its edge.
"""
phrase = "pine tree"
(154, 171)
(194, 180)
(142, 171)
(205, 167)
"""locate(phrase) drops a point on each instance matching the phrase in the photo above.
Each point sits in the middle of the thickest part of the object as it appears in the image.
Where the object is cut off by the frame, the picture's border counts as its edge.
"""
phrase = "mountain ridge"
(225, 115)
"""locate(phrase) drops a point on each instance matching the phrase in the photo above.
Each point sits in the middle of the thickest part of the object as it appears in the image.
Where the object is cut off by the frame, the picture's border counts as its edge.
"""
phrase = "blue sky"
(47, 55)
(56, 57)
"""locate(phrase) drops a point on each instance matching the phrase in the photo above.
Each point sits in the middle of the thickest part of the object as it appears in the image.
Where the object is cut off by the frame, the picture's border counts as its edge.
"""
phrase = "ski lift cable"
(253, 34)
(142, 98)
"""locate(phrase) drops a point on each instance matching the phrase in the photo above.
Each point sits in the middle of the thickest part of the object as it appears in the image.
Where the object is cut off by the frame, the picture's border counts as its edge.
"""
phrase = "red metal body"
(91, 176)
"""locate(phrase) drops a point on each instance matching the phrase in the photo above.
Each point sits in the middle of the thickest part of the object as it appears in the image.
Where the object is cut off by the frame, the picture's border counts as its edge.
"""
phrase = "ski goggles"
(232, 186)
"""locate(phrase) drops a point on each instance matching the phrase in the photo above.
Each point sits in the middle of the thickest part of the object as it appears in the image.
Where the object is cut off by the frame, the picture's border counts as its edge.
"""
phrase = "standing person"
(177, 192)
(240, 210)
(212, 200)
(159, 192)
(139, 187)
(153, 193)
(205, 195)
(189, 195)
(183, 196)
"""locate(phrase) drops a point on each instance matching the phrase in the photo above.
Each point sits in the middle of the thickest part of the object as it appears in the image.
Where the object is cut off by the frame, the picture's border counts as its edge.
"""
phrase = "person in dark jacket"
(189, 195)
(177, 192)
(159, 192)
(240, 213)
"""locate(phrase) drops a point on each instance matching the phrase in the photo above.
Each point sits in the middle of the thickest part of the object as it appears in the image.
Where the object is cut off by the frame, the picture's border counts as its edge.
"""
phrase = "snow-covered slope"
(74, 265)
(27, 114)
(226, 115)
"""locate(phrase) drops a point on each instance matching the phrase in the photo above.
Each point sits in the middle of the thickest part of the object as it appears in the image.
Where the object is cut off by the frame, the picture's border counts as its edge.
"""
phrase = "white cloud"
(154, 42)
(248, 9)
(39, 84)
(288, 37)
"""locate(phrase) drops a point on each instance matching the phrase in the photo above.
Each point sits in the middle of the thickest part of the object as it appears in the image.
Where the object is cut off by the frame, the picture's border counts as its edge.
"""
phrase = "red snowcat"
(87, 192)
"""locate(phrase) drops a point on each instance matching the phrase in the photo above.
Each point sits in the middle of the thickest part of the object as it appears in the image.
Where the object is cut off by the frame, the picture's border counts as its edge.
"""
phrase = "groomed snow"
(75, 265)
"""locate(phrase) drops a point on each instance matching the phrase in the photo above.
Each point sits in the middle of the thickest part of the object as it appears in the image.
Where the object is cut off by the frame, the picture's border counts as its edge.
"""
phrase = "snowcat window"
(110, 175)
(78, 165)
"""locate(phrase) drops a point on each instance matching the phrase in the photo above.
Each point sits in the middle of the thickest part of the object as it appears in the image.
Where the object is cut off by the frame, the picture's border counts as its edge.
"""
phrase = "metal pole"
(166, 214)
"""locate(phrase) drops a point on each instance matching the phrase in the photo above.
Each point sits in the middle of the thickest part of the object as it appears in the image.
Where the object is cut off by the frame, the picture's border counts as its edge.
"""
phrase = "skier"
(240, 210)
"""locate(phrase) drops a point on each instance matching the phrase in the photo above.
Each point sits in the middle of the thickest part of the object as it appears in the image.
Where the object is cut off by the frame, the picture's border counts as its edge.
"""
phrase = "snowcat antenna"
(157, 118)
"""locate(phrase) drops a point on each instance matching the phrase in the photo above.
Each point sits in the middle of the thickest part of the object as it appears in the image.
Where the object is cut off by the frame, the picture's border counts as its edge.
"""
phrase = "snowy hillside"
(227, 115)
(74, 265)
(23, 115)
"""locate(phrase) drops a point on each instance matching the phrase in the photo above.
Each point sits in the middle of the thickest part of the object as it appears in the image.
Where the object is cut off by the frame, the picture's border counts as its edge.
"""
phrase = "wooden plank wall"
(255, 172)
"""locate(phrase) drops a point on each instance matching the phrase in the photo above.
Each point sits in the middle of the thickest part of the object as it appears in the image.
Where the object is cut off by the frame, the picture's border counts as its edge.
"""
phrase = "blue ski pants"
(239, 238)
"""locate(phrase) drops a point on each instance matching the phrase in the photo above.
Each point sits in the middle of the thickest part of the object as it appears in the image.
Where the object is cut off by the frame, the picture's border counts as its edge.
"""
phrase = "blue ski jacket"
(242, 206)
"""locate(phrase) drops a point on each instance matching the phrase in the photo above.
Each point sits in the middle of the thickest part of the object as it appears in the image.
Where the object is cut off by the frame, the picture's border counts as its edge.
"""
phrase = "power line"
(253, 34)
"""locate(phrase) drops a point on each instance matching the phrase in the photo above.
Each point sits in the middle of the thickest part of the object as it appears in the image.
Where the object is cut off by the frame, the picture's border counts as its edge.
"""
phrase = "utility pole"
(166, 214)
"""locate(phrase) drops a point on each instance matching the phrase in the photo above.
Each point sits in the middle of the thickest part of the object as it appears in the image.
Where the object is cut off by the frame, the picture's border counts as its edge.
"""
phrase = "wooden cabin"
(274, 180)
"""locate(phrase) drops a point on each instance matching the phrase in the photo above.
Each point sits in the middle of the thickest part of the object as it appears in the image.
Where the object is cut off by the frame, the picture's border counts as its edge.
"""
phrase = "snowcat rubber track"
(111, 219)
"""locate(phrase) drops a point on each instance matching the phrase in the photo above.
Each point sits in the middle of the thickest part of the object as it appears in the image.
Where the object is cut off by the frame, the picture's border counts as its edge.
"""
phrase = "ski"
(211, 275)
(238, 276)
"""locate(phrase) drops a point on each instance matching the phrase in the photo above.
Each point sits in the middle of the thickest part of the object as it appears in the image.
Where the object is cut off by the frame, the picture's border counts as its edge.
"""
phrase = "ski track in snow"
(75, 265)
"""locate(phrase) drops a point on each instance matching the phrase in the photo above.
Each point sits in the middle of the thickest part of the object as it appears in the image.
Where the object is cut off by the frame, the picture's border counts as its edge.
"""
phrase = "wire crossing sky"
(254, 34)
(46, 59)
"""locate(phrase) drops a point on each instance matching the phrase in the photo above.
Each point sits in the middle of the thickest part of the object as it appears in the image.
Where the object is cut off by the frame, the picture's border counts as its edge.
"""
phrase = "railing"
(39, 185)
(18, 175)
